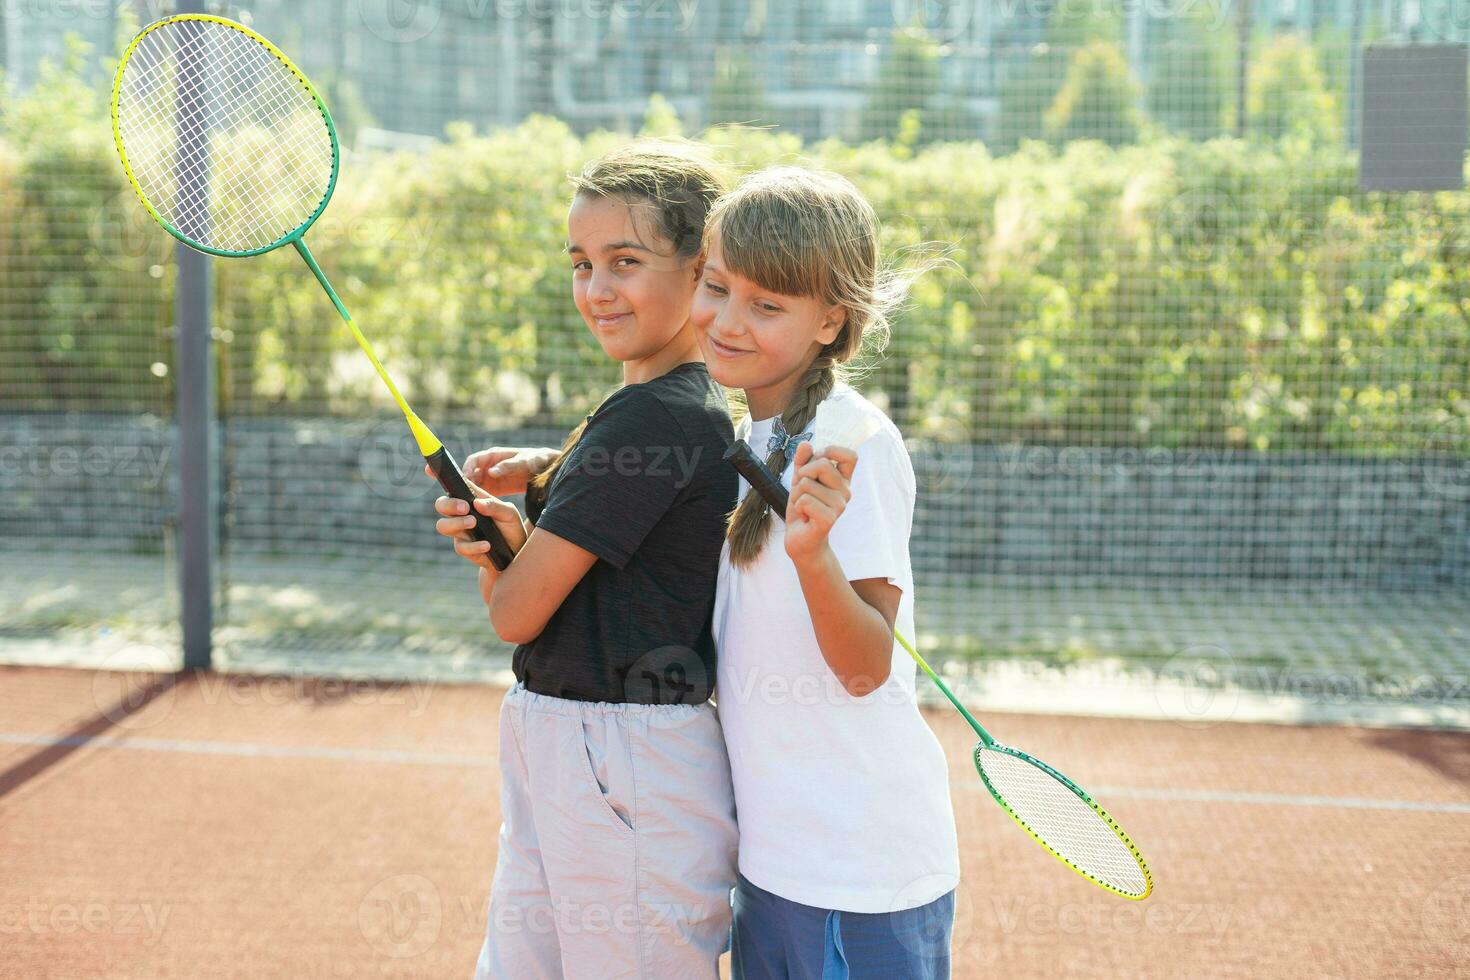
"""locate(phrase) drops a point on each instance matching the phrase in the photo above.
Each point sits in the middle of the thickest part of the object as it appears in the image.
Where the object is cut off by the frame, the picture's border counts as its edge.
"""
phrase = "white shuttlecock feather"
(844, 422)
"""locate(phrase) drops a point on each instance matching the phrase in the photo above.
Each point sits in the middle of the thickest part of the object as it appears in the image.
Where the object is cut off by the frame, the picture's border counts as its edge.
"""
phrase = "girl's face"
(756, 339)
(632, 289)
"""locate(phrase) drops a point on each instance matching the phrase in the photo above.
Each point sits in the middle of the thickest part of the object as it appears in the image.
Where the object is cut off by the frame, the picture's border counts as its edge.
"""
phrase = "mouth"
(611, 319)
(725, 350)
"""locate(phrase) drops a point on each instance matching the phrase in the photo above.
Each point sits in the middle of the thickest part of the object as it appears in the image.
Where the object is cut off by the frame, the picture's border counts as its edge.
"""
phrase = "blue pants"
(775, 939)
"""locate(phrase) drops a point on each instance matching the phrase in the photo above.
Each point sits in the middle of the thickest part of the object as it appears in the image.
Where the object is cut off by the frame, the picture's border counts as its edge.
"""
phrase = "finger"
(507, 518)
(485, 459)
(492, 506)
(825, 472)
(846, 459)
(475, 551)
(454, 527)
(817, 512)
(803, 455)
(833, 499)
(451, 506)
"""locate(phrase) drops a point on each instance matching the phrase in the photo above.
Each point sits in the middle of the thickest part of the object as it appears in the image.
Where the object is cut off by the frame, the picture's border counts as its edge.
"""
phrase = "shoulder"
(692, 401)
(883, 447)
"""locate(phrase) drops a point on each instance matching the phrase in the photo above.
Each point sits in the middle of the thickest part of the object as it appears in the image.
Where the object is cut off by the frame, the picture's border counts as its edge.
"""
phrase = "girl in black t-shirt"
(617, 848)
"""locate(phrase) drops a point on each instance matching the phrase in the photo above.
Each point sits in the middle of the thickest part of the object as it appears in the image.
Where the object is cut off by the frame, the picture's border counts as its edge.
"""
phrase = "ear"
(698, 265)
(832, 323)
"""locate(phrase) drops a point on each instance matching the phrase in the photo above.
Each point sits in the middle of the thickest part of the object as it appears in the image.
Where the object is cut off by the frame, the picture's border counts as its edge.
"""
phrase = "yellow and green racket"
(232, 150)
(1057, 813)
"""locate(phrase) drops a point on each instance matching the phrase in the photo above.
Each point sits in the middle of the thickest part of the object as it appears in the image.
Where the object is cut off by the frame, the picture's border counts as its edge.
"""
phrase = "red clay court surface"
(272, 827)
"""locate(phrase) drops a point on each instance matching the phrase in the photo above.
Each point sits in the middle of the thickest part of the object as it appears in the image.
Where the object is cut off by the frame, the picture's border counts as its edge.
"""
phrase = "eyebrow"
(612, 247)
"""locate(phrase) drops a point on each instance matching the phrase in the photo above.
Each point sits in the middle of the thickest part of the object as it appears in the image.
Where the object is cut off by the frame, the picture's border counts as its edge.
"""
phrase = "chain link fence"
(1189, 396)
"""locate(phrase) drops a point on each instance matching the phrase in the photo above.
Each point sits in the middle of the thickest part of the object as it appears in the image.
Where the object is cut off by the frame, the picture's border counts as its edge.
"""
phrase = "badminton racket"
(232, 150)
(1056, 812)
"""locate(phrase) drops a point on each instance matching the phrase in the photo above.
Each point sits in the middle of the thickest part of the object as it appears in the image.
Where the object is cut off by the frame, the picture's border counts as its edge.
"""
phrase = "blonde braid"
(750, 522)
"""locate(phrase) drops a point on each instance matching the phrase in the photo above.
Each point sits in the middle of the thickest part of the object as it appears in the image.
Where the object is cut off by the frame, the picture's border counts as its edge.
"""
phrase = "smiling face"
(631, 287)
(758, 339)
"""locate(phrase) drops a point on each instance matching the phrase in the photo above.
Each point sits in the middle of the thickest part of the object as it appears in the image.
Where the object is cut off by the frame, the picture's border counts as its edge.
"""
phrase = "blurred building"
(809, 66)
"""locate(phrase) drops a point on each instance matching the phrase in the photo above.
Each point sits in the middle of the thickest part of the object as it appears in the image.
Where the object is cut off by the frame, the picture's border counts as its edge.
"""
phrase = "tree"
(908, 79)
(1289, 95)
(1188, 91)
(1098, 99)
(1031, 87)
(660, 118)
(736, 95)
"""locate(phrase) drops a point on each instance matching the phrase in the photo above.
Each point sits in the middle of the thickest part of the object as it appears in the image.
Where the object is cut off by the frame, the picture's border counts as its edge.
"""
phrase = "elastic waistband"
(546, 704)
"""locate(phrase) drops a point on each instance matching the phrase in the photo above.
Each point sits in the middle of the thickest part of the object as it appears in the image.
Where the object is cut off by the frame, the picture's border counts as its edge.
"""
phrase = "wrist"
(819, 561)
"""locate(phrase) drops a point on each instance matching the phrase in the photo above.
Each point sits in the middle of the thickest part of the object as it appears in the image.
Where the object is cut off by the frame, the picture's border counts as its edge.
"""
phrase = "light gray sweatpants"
(617, 846)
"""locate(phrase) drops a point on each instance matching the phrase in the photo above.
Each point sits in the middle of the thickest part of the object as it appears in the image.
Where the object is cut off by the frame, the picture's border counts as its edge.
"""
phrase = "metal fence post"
(195, 407)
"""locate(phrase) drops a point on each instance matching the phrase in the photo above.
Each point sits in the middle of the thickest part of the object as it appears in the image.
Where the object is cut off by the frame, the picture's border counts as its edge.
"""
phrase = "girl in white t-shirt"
(848, 859)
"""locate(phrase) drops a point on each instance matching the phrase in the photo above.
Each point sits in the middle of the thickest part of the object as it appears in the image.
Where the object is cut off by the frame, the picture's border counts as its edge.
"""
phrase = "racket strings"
(1063, 820)
(256, 134)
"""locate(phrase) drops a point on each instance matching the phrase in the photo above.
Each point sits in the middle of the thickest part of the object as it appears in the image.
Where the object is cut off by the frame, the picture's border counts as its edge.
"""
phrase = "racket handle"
(446, 471)
(758, 475)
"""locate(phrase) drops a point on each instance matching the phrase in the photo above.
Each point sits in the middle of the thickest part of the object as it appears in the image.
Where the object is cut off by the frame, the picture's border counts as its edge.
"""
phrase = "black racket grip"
(446, 471)
(758, 475)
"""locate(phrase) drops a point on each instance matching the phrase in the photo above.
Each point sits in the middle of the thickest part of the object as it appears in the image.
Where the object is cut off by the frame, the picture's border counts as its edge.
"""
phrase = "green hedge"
(1173, 293)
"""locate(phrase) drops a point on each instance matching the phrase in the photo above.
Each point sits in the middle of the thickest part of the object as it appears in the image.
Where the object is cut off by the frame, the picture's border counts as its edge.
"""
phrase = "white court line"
(1274, 799)
(251, 750)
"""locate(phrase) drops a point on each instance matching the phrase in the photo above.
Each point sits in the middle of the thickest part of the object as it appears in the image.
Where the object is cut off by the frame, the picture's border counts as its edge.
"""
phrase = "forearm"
(855, 640)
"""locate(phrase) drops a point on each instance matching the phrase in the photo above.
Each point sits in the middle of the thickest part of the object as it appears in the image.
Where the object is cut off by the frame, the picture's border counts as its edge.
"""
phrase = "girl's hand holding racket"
(455, 522)
(505, 472)
(821, 486)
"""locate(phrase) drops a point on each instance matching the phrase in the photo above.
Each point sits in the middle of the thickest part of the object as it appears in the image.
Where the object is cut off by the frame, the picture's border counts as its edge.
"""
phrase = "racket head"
(251, 122)
(1060, 816)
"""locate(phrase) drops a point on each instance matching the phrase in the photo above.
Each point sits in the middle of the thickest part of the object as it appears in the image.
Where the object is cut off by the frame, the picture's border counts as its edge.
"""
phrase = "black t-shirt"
(646, 491)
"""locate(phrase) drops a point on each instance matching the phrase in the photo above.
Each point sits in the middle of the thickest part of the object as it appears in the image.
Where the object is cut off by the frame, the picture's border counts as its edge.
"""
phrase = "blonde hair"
(803, 232)
(677, 183)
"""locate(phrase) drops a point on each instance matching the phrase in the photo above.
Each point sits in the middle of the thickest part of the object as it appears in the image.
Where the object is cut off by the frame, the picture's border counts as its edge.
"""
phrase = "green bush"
(1173, 293)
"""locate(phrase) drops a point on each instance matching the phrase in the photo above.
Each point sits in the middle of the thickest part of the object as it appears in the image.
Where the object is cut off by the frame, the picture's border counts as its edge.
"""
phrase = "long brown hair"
(802, 232)
(676, 183)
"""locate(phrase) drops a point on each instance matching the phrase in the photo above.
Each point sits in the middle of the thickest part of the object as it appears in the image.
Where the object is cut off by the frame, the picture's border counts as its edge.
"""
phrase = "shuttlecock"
(844, 422)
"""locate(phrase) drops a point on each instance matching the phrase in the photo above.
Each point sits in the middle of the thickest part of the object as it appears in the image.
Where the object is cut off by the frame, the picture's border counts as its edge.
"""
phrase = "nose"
(726, 324)
(600, 289)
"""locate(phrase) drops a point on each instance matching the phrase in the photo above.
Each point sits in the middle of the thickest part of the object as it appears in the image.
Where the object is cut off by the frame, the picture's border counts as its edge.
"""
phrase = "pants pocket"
(609, 767)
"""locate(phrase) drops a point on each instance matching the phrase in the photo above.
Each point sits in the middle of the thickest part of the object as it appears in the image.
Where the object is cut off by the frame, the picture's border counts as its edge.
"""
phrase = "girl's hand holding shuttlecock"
(821, 486)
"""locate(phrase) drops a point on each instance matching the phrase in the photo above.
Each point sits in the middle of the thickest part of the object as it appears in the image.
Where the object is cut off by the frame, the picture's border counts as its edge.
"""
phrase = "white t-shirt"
(843, 802)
